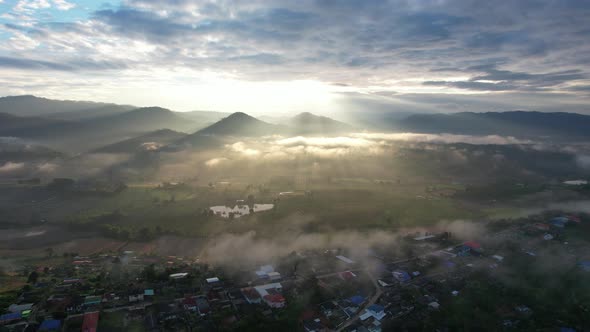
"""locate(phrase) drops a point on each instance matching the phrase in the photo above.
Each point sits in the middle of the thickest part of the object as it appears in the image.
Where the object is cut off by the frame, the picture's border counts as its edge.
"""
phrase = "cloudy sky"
(285, 56)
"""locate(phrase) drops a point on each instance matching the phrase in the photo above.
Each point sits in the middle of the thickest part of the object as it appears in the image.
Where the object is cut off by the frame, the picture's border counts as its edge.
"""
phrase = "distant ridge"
(29, 105)
(12, 125)
(308, 123)
(148, 142)
(513, 123)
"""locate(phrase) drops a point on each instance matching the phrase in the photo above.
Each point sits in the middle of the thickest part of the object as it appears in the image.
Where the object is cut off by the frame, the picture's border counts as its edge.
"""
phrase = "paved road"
(373, 300)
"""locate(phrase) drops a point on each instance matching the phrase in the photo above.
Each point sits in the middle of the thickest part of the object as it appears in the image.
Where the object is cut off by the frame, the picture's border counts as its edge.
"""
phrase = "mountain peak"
(240, 116)
(309, 123)
(305, 115)
(239, 124)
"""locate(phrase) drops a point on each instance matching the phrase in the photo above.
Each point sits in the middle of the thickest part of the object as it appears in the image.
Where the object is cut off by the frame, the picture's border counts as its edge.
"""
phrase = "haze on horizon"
(265, 57)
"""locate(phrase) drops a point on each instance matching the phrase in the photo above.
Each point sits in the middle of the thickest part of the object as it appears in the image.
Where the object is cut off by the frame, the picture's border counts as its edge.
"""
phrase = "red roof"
(472, 245)
(574, 218)
(250, 293)
(274, 298)
(90, 322)
(543, 227)
(190, 301)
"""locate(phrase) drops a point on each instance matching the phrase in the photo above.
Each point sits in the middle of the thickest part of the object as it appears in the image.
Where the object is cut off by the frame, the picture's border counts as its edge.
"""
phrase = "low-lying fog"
(20, 159)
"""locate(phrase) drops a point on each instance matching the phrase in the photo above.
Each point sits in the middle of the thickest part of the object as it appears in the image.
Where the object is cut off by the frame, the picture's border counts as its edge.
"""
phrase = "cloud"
(151, 146)
(494, 79)
(355, 144)
(241, 147)
(215, 161)
(583, 161)
(444, 138)
(326, 142)
(31, 5)
(63, 4)
(47, 167)
(11, 167)
(370, 48)
(248, 248)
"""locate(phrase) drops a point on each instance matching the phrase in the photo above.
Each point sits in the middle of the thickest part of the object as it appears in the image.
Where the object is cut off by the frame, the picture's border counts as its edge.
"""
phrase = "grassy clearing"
(360, 205)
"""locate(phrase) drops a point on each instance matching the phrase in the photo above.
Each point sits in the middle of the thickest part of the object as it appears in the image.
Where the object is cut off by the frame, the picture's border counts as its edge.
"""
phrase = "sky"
(323, 56)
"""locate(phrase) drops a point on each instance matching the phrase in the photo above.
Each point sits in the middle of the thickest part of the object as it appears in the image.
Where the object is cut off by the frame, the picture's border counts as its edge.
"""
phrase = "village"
(313, 290)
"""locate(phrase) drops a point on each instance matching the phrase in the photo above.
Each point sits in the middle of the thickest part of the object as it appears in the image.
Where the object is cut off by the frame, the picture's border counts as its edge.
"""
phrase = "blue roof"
(557, 223)
(566, 329)
(585, 265)
(50, 325)
(12, 316)
(148, 292)
(449, 264)
(401, 275)
(357, 299)
(376, 308)
(560, 219)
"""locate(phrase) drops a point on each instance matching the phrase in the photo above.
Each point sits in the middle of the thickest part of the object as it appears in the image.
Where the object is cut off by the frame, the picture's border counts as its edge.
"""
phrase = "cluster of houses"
(240, 209)
(361, 297)
(73, 292)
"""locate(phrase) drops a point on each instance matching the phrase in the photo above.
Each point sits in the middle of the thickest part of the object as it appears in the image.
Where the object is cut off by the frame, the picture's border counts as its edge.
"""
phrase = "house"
(584, 265)
(356, 300)
(178, 275)
(202, 305)
(424, 237)
(264, 270)
(251, 295)
(92, 300)
(110, 298)
(347, 275)
(345, 259)
(498, 258)
(214, 283)
(50, 325)
(376, 311)
(275, 300)
(148, 292)
(18, 308)
(274, 276)
(558, 222)
(401, 276)
(313, 325)
(167, 311)
(561, 219)
(542, 227)
(215, 296)
(90, 322)
(383, 283)
(473, 245)
(10, 318)
(135, 297)
(190, 303)
(270, 294)
(573, 218)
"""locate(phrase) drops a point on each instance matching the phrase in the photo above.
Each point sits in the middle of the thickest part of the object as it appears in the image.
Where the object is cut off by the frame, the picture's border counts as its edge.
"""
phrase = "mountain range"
(512, 123)
(75, 127)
